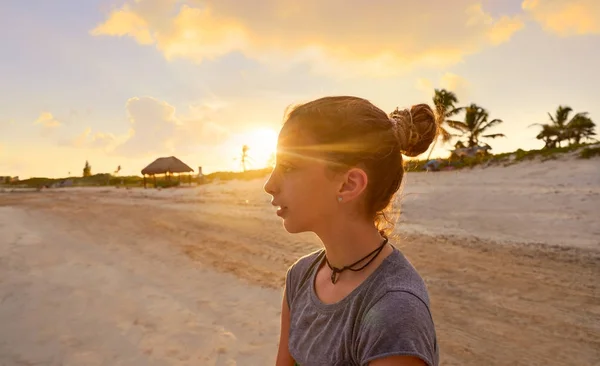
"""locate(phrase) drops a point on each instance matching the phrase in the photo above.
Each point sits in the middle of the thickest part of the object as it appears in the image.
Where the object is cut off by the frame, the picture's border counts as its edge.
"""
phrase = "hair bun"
(415, 128)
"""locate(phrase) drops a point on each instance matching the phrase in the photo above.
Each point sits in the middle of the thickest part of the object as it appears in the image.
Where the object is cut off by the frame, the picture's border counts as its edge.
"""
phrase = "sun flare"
(261, 143)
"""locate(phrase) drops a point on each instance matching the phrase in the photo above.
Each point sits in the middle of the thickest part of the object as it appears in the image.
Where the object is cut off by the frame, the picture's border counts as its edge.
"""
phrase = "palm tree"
(580, 127)
(445, 106)
(245, 158)
(554, 133)
(561, 128)
(87, 169)
(550, 135)
(475, 123)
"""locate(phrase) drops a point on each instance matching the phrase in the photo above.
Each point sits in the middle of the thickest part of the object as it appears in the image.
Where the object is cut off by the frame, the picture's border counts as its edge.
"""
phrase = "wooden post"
(154, 175)
(144, 181)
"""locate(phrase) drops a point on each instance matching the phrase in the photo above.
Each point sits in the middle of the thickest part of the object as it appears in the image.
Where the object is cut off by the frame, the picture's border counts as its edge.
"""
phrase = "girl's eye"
(286, 168)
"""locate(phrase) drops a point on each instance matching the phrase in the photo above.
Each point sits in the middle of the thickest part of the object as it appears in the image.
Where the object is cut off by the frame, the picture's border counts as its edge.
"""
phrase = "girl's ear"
(354, 183)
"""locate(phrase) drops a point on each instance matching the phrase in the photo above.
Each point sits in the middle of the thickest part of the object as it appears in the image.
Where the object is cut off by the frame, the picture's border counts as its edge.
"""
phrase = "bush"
(167, 183)
(589, 152)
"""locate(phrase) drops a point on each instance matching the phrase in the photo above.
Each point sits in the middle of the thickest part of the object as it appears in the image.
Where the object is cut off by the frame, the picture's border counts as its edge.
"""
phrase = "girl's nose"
(269, 186)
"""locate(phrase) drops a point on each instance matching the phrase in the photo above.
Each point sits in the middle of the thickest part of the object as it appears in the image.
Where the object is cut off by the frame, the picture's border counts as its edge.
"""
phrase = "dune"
(193, 276)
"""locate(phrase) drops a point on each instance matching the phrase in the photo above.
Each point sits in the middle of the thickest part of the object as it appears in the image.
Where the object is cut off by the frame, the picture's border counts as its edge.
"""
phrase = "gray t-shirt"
(386, 315)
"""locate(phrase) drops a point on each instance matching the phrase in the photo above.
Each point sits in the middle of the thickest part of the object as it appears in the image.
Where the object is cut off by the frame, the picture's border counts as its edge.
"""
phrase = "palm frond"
(494, 135)
(488, 124)
(453, 112)
(446, 136)
(458, 125)
(537, 124)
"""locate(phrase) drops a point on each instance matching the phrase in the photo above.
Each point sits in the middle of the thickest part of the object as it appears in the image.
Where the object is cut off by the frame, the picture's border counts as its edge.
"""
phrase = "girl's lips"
(281, 211)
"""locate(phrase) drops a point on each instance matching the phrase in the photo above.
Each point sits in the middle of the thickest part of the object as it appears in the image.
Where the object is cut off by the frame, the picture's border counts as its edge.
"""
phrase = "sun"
(262, 144)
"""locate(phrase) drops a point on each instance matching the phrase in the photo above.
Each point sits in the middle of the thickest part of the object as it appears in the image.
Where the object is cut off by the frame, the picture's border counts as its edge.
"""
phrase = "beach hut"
(167, 166)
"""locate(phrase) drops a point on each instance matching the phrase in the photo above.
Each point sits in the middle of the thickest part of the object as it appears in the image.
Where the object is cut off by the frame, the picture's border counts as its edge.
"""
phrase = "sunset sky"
(124, 82)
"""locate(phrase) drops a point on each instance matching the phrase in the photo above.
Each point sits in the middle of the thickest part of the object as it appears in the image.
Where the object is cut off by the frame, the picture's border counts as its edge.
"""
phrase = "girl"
(358, 301)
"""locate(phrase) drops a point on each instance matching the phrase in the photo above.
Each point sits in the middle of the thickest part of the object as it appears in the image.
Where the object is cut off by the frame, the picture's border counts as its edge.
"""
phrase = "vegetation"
(105, 179)
(102, 179)
(561, 128)
(476, 122)
(245, 159)
(445, 107)
(589, 152)
(584, 151)
(87, 169)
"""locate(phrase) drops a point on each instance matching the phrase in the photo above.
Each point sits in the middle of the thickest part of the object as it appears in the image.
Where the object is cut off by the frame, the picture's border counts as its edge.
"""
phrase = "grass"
(105, 179)
(586, 151)
(91, 181)
(589, 152)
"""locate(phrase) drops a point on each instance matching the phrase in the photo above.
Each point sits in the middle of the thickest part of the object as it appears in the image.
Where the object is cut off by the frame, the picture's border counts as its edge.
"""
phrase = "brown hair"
(352, 132)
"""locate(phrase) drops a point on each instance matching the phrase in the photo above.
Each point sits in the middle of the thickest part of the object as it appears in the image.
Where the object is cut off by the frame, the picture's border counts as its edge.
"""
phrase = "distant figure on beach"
(357, 301)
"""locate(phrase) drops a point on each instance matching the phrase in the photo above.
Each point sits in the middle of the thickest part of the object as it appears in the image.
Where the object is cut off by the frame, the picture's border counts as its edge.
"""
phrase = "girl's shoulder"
(300, 270)
(307, 260)
(398, 274)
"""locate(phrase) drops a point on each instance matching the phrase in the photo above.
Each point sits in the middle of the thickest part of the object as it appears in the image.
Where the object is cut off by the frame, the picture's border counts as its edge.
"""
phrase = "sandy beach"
(193, 276)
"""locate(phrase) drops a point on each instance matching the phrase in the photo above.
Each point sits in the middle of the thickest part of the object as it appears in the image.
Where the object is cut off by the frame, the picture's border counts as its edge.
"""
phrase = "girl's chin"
(293, 229)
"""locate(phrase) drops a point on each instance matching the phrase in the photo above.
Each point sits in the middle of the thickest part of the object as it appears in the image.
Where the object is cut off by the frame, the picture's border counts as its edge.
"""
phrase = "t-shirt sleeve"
(399, 324)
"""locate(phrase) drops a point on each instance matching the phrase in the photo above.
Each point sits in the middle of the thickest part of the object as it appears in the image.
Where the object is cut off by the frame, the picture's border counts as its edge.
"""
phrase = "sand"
(193, 276)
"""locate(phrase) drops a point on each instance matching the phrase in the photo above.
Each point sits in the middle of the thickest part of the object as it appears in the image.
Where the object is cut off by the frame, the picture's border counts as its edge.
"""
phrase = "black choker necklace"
(335, 271)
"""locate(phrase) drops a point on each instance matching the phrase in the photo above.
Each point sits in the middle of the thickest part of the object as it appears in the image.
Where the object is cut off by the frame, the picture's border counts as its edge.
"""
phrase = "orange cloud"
(98, 140)
(449, 81)
(565, 17)
(155, 127)
(47, 120)
(457, 84)
(331, 36)
(497, 31)
(125, 22)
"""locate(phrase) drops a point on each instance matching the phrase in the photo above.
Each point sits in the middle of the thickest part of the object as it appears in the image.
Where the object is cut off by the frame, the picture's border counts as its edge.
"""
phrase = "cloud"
(156, 128)
(497, 31)
(425, 85)
(125, 22)
(449, 81)
(48, 123)
(378, 39)
(565, 17)
(47, 120)
(459, 85)
(98, 140)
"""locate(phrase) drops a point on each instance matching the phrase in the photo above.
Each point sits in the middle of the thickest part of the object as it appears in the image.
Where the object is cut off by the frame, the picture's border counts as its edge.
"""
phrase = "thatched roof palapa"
(166, 165)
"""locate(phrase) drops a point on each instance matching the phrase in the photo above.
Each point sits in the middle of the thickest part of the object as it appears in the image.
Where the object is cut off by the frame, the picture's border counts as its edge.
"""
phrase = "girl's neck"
(348, 242)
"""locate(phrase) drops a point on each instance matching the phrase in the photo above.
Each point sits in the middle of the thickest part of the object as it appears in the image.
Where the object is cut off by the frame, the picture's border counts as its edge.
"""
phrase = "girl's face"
(302, 189)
